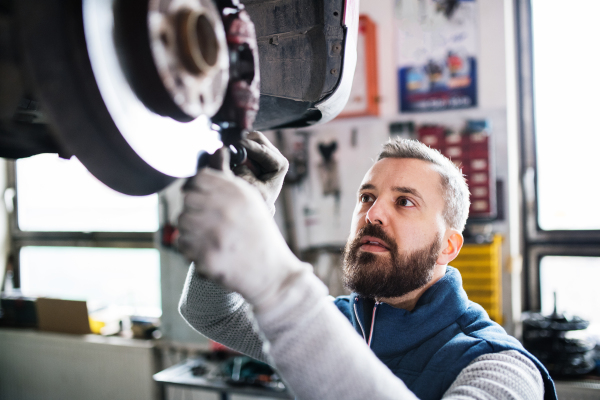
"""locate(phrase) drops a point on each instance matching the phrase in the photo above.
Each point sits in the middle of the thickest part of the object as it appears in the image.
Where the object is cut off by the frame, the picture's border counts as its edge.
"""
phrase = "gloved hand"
(271, 167)
(227, 230)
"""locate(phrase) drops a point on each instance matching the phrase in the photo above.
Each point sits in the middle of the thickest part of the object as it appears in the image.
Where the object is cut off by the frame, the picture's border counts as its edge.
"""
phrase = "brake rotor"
(128, 87)
(189, 49)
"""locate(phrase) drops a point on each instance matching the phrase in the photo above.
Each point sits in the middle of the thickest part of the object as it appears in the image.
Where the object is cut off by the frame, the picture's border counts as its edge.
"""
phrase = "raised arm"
(221, 315)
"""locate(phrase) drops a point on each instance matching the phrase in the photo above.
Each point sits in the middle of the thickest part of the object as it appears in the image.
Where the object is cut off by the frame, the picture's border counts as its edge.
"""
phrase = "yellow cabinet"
(481, 268)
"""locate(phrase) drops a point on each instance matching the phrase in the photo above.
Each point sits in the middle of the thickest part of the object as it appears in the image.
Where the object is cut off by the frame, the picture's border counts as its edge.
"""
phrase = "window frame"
(537, 242)
(535, 255)
(19, 239)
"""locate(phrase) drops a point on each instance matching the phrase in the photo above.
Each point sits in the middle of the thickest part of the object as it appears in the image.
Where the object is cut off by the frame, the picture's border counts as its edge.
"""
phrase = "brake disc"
(128, 86)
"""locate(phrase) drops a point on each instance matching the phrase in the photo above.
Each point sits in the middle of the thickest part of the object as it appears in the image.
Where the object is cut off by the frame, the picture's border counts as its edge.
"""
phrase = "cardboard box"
(65, 316)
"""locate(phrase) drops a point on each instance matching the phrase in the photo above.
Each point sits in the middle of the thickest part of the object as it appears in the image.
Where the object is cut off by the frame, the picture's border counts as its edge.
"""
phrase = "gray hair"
(454, 185)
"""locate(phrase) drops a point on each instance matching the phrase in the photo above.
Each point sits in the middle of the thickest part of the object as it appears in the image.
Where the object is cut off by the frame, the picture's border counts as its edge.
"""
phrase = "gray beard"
(390, 274)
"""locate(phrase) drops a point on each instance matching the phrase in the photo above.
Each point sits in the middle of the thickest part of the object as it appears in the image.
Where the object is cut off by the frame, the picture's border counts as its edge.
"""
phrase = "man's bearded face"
(387, 274)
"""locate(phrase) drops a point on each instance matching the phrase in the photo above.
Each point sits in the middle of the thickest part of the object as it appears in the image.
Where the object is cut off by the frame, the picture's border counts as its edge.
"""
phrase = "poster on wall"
(437, 54)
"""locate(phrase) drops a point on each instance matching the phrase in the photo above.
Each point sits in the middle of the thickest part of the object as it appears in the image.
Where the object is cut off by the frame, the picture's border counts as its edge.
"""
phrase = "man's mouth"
(373, 244)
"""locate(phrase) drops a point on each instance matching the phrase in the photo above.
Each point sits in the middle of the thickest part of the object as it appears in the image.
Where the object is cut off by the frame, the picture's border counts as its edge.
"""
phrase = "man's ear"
(453, 241)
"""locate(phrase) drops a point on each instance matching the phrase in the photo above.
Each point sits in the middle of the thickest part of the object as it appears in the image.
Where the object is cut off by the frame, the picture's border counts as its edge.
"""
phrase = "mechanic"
(412, 333)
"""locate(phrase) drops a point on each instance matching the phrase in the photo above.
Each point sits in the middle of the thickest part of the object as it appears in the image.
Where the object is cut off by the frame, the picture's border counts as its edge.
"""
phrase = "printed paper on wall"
(437, 54)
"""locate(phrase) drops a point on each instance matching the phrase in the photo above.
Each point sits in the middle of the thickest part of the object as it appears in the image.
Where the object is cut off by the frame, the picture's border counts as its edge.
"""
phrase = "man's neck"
(409, 300)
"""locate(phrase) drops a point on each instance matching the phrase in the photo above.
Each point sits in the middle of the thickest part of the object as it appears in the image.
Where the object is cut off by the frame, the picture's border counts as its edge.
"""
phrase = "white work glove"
(227, 230)
(265, 168)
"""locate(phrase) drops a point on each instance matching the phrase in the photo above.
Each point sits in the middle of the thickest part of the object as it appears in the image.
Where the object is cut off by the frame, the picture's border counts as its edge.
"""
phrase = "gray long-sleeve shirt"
(307, 339)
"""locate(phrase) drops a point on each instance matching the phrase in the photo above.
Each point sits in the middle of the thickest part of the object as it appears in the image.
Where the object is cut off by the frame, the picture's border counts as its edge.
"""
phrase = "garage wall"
(324, 221)
(357, 156)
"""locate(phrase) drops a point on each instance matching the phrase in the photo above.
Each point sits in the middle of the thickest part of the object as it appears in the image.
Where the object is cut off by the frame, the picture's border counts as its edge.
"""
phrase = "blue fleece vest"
(428, 347)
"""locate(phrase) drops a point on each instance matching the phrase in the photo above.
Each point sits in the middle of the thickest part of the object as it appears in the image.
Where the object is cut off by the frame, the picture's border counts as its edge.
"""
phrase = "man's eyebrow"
(409, 190)
(399, 189)
(366, 186)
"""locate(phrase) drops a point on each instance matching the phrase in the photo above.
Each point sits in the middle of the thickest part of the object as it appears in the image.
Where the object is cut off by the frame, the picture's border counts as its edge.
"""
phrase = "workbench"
(181, 375)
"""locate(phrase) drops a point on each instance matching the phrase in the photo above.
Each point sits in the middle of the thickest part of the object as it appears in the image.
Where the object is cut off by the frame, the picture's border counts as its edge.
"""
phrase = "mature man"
(412, 334)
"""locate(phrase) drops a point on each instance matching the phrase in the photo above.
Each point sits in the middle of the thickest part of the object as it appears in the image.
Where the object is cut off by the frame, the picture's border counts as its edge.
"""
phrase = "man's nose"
(377, 214)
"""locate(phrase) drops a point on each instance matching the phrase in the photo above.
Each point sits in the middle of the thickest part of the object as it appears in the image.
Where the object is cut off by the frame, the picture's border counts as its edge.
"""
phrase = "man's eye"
(404, 202)
(364, 198)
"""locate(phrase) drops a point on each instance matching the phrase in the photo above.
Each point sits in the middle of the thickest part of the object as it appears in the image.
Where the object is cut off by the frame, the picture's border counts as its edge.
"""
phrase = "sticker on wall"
(437, 54)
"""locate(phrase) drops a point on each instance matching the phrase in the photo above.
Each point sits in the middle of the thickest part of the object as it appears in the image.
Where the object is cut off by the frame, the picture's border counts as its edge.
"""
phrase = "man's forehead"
(406, 172)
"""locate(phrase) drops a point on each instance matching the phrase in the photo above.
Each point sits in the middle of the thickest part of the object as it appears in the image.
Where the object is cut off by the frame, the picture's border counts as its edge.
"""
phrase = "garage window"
(574, 279)
(62, 196)
(74, 238)
(565, 109)
(560, 136)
